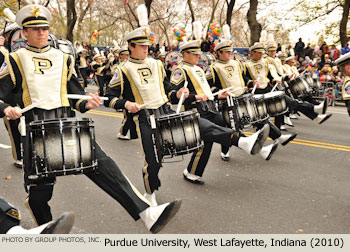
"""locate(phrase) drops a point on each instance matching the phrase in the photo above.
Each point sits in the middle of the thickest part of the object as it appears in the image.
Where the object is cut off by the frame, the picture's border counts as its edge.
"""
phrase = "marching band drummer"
(259, 75)
(344, 65)
(39, 71)
(11, 125)
(201, 99)
(128, 123)
(98, 65)
(141, 80)
(226, 72)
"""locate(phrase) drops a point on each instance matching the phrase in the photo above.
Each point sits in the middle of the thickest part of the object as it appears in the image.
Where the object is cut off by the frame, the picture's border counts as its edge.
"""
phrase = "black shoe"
(259, 142)
(291, 138)
(166, 216)
(325, 106)
(61, 226)
(274, 148)
(325, 118)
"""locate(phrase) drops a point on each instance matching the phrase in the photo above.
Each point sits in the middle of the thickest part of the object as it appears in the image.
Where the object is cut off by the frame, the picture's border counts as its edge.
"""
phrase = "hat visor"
(226, 50)
(194, 52)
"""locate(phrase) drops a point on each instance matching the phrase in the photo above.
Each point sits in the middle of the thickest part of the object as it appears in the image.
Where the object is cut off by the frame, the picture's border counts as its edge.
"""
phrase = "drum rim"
(63, 120)
(175, 115)
(274, 94)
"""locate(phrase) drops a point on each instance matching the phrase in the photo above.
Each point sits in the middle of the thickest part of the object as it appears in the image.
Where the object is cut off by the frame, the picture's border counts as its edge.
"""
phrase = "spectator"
(308, 51)
(334, 53)
(299, 48)
(345, 49)
(206, 45)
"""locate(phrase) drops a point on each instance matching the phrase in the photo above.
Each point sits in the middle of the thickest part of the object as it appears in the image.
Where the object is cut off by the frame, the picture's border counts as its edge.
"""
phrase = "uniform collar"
(222, 62)
(38, 50)
(137, 61)
(188, 64)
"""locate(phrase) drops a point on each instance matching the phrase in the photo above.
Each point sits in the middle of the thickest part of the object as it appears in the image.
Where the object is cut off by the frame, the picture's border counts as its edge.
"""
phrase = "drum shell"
(66, 46)
(179, 134)
(260, 108)
(276, 103)
(62, 146)
(299, 87)
(246, 111)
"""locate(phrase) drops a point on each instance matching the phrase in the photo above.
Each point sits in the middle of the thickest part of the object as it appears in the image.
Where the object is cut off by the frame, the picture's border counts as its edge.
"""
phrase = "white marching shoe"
(120, 136)
(151, 198)
(293, 116)
(155, 218)
(288, 122)
(267, 151)
(322, 118)
(225, 157)
(62, 225)
(195, 179)
(283, 128)
(322, 108)
(253, 144)
(285, 139)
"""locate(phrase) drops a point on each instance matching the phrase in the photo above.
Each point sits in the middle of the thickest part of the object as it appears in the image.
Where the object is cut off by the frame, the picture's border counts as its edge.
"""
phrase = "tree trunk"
(230, 6)
(81, 17)
(71, 19)
(254, 25)
(343, 24)
(191, 10)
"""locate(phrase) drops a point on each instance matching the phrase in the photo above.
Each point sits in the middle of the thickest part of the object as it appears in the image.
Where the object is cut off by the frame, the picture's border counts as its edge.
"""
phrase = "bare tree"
(71, 19)
(230, 6)
(189, 2)
(254, 25)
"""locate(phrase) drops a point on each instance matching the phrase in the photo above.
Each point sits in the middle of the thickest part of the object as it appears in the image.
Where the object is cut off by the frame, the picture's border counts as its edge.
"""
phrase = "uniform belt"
(162, 110)
(42, 114)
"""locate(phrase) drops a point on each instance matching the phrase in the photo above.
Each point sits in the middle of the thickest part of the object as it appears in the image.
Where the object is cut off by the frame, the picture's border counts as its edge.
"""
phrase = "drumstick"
(181, 99)
(274, 87)
(150, 102)
(254, 88)
(222, 91)
(84, 97)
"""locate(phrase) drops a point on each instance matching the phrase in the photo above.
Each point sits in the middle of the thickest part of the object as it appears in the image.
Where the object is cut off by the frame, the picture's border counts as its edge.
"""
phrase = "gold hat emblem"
(145, 32)
(198, 43)
(229, 42)
(35, 11)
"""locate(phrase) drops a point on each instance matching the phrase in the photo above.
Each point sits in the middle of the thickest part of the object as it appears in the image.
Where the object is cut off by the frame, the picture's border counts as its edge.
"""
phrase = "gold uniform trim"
(13, 147)
(113, 102)
(145, 177)
(161, 76)
(222, 82)
(64, 99)
(196, 160)
(5, 74)
(26, 95)
(71, 67)
(38, 50)
(135, 91)
(10, 69)
(78, 104)
(197, 87)
(35, 22)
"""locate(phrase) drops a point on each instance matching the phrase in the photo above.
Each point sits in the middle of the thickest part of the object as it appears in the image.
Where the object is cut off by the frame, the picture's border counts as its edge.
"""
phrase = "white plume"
(226, 32)
(263, 36)
(283, 48)
(96, 50)
(35, 1)
(115, 43)
(162, 50)
(184, 39)
(10, 15)
(291, 52)
(197, 30)
(142, 15)
(270, 37)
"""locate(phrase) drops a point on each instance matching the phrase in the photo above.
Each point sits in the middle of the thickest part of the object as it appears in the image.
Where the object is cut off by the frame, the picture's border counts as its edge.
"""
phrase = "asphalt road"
(304, 188)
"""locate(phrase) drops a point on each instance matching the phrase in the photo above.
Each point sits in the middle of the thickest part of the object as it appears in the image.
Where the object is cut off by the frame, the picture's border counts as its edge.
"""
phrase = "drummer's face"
(191, 58)
(139, 51)
(123, 57)
(37, 36)
(256, 55)
(225, 55)
(272, 53)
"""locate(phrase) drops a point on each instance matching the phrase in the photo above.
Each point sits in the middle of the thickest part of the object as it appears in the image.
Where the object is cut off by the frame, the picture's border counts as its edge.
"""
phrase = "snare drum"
(179, 133)
(246, 109)
(61, 147)
(66, 46)
(260, 110)
(275, 103)
(299, 87)
(317, 83)
(310, 81)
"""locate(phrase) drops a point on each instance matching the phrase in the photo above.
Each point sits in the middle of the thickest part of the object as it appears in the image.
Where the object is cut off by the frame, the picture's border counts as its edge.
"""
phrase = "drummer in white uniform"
(226, 72)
